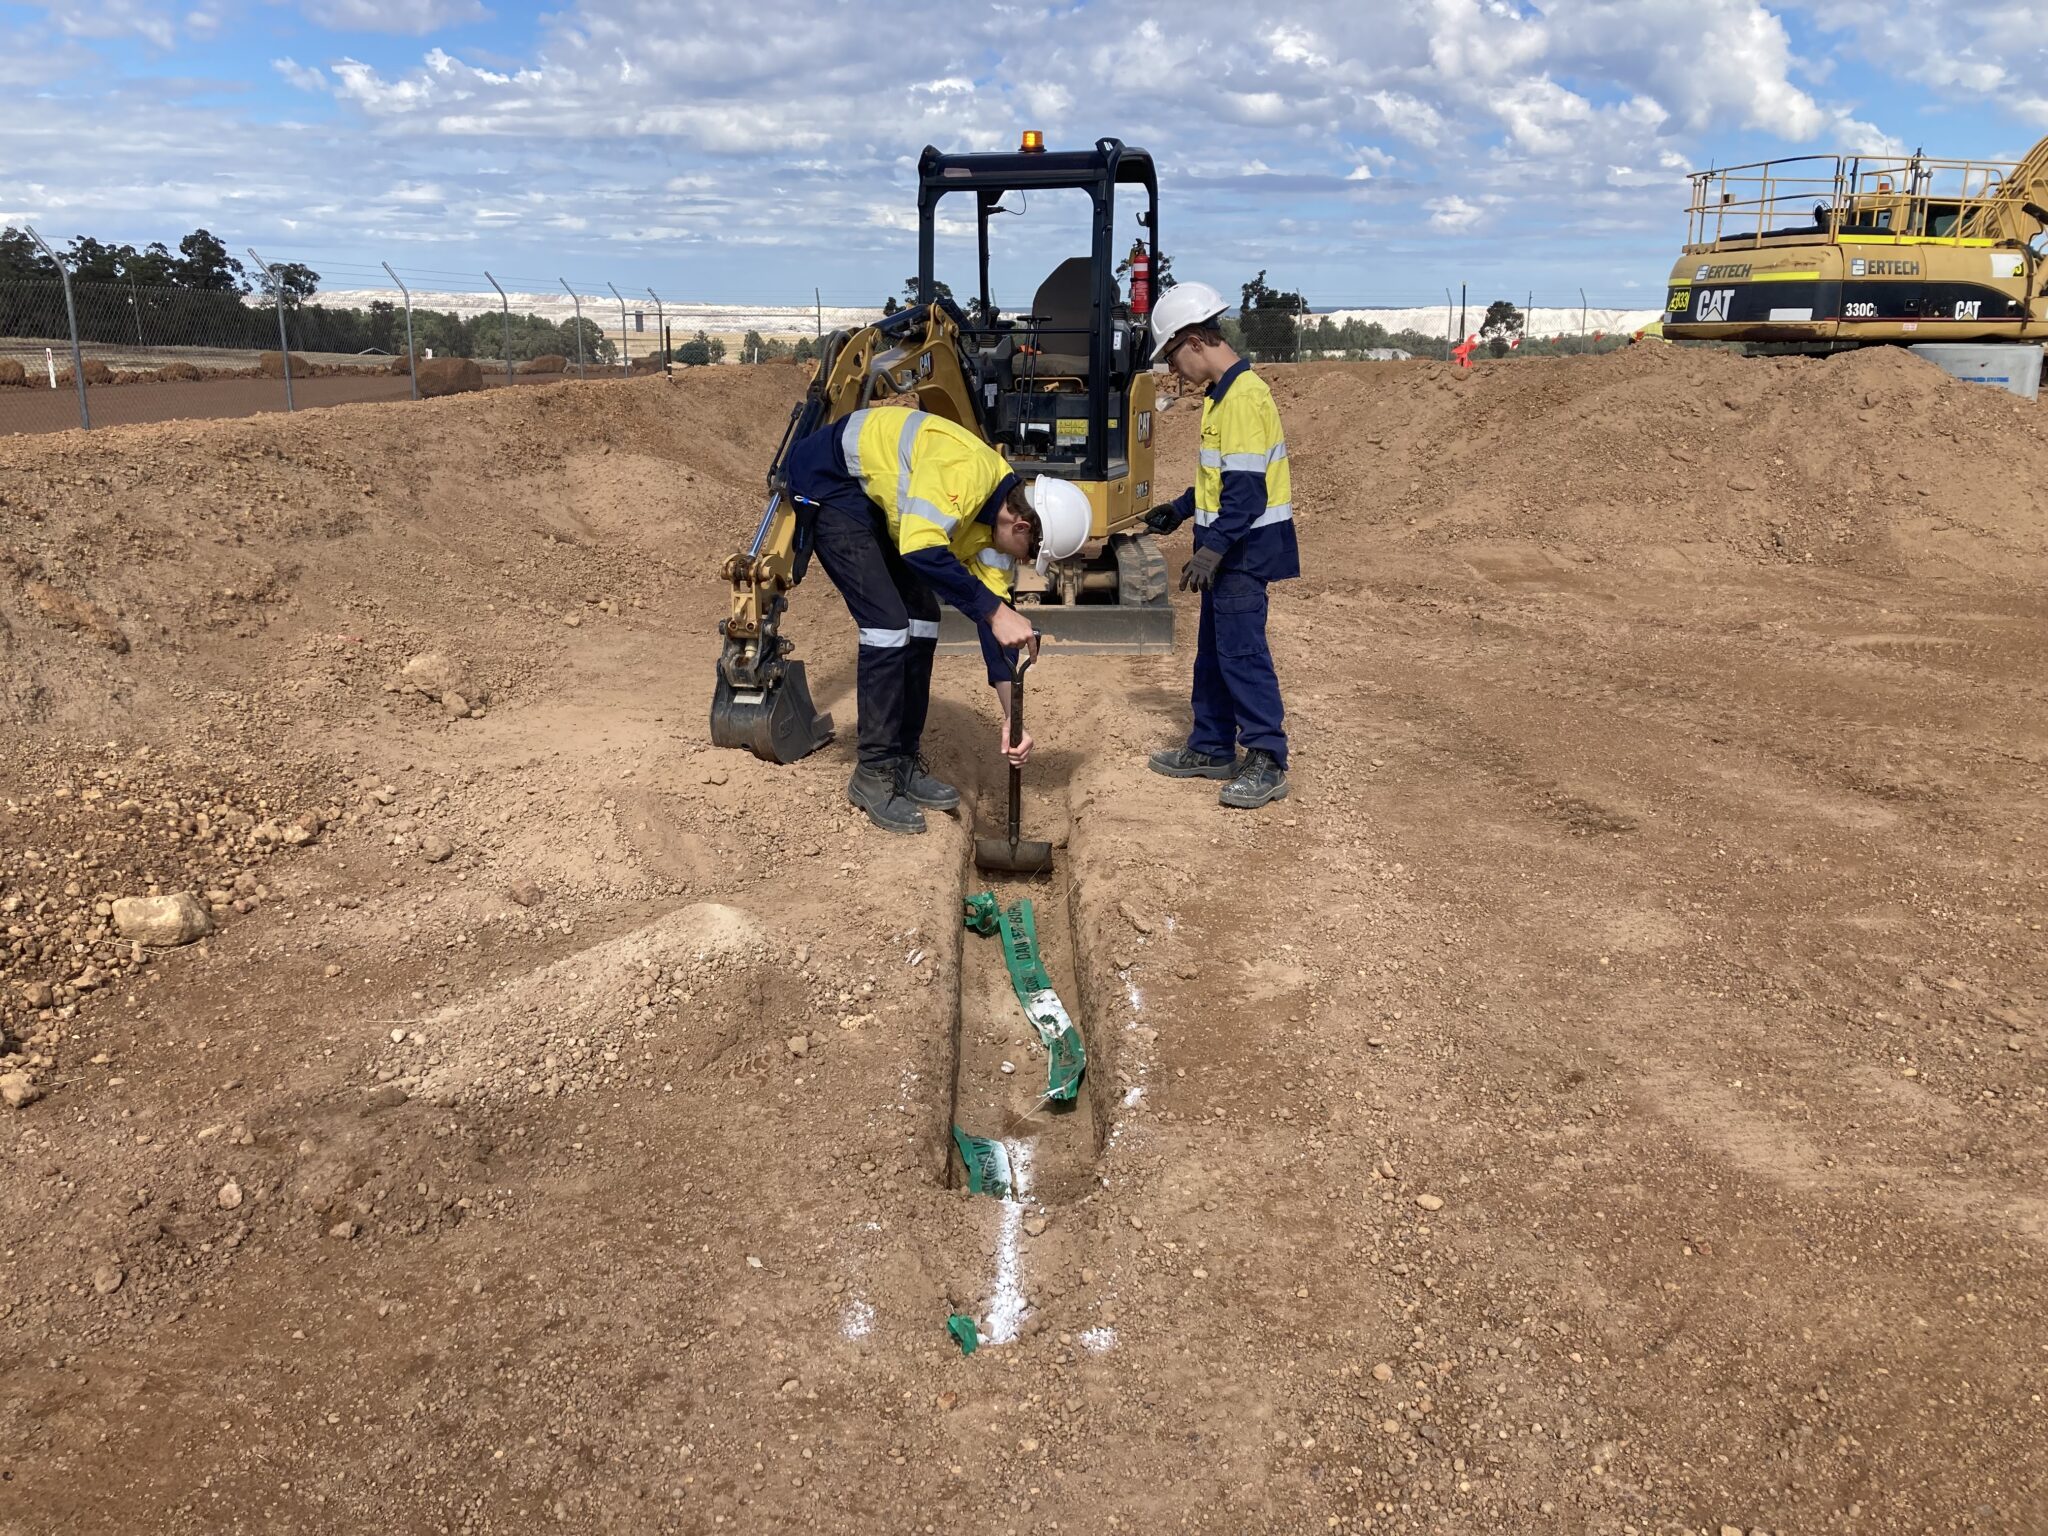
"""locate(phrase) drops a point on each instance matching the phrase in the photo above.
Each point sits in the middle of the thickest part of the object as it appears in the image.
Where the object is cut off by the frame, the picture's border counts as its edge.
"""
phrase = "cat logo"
(1968, 309)
(1710, 306)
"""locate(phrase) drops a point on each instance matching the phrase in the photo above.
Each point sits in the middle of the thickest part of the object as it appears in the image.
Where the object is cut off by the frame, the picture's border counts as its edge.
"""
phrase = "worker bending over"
(1242, 504)
(909, 508)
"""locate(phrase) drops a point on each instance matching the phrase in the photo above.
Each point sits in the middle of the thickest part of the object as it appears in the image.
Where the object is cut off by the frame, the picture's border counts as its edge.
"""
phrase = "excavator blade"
(1087, 629)
(778, 724)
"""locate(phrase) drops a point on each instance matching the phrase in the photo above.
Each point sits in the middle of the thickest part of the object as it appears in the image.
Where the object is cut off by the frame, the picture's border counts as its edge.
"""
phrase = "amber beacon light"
(1034, 142)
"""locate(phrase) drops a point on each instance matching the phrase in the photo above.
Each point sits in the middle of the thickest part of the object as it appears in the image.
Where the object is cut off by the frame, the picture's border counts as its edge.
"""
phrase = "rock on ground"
(162, 921)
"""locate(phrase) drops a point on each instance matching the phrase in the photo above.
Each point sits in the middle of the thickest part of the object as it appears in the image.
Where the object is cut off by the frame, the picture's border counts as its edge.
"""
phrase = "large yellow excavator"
(1832, 251)
(1065, 390)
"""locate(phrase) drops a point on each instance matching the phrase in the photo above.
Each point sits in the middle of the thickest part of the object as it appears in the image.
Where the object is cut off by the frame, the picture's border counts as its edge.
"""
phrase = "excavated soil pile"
(1607, 1095)
(1874, 460)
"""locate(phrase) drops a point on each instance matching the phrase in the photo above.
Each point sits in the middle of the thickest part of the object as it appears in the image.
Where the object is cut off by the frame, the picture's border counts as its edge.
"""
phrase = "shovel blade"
(1024, 857)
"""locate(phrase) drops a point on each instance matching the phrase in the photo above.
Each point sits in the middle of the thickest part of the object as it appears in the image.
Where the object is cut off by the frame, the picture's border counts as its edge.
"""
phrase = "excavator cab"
(1066, 388)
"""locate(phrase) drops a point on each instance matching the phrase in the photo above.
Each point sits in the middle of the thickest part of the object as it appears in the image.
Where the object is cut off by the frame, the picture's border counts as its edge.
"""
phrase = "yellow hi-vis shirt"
(1244, 491)
(932, 480)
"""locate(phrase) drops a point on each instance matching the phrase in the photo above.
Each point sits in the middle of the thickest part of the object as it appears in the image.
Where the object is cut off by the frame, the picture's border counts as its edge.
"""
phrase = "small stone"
(752, 1262)
(163, 922)
(1134, 917)
(229, 1196)
(37, 995)
(799, 1045)
(343, 1231)
(18, 1090)
(791, 1385)
(1731, 1530)
(1383, 1372)
(398, 1037)
(435, 848)
(1430, 1202)
(947, 1401)
(574, 621)
(1009, 1067)
(455, 706)
(107, 1279)
(524, 892)
(331, 972)
(1034, 1226)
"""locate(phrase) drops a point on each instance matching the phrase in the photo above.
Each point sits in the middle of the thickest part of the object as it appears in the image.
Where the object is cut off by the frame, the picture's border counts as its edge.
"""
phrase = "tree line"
(200, 297)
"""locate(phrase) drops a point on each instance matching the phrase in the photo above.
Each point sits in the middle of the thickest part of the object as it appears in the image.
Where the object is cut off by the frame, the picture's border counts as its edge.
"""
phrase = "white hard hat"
(1181, 306)
(1065, 518)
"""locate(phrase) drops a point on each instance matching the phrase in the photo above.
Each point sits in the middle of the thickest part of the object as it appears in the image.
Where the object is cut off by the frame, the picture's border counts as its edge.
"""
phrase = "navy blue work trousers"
(1236, 692)
(898, 617)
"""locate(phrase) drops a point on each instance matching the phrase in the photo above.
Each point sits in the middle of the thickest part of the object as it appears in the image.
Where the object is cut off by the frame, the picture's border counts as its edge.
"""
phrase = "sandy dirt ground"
(1606, 1097)
(44, 410)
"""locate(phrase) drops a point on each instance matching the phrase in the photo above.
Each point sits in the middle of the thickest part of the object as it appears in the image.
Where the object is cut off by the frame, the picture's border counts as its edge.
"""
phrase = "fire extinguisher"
(1141, 279)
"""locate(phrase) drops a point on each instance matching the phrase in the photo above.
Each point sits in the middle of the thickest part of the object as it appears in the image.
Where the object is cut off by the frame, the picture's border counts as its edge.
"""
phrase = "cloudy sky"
(1363, 152)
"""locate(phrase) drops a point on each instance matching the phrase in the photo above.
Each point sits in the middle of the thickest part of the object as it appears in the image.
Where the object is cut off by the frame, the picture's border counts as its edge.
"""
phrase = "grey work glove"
(1200, 572)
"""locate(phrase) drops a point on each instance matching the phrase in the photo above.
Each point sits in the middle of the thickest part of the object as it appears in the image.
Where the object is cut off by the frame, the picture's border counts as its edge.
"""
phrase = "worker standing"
(1242, 504)
(907, 508)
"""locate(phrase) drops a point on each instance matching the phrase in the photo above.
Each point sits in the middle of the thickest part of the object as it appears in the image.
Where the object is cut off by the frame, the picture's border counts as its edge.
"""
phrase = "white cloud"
(633, 125)
(1452, 214)
(410, 18)
(300, 75)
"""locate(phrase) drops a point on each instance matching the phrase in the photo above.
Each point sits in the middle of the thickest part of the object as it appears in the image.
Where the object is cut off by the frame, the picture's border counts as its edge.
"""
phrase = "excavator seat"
(1064, 309)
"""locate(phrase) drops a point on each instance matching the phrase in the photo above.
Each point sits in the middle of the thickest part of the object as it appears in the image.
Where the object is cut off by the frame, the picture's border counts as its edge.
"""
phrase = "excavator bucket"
(778, 724)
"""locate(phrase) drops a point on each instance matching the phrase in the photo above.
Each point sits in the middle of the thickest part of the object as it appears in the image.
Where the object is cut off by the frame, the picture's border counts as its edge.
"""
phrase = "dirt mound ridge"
(1872, 459)
(297, 561)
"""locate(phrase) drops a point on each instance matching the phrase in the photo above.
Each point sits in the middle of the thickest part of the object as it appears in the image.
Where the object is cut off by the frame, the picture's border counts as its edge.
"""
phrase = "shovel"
(1015, 855)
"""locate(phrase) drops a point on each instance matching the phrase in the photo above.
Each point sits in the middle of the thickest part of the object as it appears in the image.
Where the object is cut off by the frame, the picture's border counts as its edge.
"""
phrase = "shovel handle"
(1023, 665)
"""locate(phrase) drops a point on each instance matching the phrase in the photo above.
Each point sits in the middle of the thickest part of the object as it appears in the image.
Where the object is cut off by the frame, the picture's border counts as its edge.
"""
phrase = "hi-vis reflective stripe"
(918, 506)
(849, 439)
(998, 559)
(1212, 458)
(1284, 513)
(924, 629)
(886, 639)
(1244, 463)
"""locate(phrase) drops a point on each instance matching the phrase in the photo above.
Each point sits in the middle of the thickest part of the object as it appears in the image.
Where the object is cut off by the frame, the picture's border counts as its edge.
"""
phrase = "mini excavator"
(1827, 252)
(1065, 390)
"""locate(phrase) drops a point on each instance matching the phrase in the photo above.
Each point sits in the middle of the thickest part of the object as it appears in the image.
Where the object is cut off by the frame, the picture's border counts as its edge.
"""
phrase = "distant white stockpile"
(684, 318)
(789, 320)
(1542, 321)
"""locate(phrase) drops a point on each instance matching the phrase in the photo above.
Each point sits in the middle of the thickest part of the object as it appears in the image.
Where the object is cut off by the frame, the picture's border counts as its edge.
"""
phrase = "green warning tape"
(1066, 1056)
(982, 913)
(964, 1333)
(988, 1164)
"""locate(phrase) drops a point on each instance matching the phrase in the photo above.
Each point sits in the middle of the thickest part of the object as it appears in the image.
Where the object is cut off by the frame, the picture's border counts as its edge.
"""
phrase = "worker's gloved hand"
(1200, 572)
(1164, 519)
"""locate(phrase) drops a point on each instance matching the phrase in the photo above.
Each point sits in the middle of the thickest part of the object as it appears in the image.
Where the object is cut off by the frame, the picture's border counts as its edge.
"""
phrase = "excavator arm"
(762, 701)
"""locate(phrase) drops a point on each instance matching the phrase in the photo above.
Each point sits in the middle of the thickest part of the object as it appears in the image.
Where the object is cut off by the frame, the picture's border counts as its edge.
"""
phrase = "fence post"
(71, 315)
(661, 328)
(507, 305)
(581, 371)
(284, 346)
(412, 356)
(625, 346)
